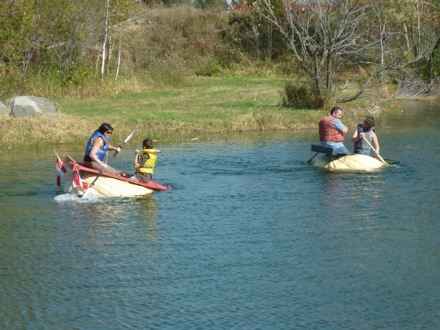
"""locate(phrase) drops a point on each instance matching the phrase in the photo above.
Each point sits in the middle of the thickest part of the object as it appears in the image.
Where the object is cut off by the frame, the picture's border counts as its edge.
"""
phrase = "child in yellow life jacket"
(144, 162)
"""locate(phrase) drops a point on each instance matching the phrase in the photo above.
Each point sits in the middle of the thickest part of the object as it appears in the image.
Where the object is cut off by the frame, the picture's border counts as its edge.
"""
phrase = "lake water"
(250, 237)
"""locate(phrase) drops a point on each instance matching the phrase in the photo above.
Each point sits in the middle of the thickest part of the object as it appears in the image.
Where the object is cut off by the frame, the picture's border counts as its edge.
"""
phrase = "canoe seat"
(321, 149)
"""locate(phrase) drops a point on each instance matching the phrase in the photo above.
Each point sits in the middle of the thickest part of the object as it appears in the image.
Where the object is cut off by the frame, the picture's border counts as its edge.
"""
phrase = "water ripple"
(250, 237)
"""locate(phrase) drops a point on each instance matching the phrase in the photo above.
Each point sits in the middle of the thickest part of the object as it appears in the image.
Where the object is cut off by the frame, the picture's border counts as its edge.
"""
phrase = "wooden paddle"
(103, 169)
(372, 148)
(310, 160)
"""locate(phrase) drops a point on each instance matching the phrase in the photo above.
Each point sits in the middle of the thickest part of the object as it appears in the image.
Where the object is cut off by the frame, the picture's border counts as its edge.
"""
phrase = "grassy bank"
(205, 106)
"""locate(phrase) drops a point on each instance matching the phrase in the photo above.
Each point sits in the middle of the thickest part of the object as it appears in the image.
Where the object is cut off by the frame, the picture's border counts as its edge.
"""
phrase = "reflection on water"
(411, 116)
(117, 212)
(250, 237)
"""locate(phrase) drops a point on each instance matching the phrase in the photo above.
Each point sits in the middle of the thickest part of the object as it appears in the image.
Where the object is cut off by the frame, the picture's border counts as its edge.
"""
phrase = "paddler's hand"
(118, 150)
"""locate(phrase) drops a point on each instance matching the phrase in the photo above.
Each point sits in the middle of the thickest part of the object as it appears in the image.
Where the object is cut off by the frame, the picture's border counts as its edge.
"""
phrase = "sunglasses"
(109, 133)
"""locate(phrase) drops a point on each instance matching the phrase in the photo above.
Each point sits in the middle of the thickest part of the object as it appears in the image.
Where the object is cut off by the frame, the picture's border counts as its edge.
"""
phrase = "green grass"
(206, 99)
(202, 108)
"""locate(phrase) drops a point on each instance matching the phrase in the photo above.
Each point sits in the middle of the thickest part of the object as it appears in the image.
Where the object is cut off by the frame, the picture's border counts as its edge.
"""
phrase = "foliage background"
(79, 48)
(205, 66)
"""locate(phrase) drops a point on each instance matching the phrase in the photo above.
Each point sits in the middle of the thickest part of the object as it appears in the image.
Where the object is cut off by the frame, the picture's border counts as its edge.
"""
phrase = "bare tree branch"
(325, 36)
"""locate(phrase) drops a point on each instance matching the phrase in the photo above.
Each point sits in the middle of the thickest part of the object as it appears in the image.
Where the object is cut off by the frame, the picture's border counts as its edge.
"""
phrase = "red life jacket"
(327, 132)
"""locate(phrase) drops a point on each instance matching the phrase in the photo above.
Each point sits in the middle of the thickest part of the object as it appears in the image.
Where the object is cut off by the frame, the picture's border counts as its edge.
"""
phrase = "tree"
(211, 4)
(16, 20)
(40, 35)
(328, 36)
(115, 12)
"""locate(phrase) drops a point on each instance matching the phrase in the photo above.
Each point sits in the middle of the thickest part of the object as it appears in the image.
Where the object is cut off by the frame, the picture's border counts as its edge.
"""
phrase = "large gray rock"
(23, 107)
(30, 106)
(4, 109)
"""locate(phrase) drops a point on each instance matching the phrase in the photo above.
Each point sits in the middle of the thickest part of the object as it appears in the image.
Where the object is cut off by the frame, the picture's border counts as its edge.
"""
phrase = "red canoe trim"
(74, 165)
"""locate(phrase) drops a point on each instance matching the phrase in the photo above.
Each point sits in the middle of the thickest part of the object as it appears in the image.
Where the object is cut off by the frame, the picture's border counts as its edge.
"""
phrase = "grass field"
(203, 100)
(204, 106)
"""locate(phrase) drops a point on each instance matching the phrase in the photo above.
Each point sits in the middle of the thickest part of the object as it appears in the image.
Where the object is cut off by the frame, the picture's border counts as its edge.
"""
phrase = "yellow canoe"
(355, 162)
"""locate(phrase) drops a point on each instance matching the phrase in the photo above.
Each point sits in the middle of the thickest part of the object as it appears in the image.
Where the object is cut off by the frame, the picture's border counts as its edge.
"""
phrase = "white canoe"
(109, 185)
(356, 162)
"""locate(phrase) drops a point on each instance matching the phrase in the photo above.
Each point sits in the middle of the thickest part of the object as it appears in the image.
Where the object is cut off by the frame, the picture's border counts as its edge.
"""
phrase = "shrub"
(303, 97)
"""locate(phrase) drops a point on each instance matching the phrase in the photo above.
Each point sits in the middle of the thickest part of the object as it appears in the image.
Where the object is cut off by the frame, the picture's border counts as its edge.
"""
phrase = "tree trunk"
(106, 35)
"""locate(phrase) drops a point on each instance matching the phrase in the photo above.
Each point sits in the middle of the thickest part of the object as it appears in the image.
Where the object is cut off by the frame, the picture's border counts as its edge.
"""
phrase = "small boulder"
(4, 109)
(30, 106)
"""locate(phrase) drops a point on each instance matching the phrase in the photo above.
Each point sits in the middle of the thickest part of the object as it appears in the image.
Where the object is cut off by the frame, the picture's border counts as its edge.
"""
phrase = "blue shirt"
(338, 125)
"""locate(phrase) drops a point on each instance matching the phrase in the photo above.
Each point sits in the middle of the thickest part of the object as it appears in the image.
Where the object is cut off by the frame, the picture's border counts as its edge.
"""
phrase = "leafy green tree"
(40, 35)
(16, 34)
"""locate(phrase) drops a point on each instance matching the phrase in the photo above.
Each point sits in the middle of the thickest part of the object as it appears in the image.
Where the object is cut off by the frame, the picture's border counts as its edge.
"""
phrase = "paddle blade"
(124, 142)
(127, 139)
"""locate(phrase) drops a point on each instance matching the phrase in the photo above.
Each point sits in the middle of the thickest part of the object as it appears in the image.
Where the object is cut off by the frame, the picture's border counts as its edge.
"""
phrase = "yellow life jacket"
(148, 167)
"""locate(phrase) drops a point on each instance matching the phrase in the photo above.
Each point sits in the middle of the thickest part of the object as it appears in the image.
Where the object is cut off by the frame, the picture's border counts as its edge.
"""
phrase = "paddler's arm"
(357, 136)
(112, 148)
(375, 141)
(97, 144)
(340, 126)
(136, 159)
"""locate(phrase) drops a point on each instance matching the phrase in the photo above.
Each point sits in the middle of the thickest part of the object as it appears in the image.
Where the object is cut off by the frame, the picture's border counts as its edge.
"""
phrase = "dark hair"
(368, 123)
(147, 144)
(334, 109)
(104, 128)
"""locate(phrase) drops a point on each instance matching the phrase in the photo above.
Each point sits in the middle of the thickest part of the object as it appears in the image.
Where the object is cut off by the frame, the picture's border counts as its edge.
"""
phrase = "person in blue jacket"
(97, 147)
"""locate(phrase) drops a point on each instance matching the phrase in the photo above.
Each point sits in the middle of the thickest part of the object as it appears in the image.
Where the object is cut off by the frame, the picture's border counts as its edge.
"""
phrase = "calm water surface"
(251, 237)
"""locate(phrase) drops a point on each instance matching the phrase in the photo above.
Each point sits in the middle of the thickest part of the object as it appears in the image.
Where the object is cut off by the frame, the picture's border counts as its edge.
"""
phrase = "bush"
(303, 97)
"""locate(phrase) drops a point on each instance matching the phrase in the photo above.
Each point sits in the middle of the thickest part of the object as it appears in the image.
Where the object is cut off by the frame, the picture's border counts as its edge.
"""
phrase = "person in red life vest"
(144, 163)
(97, 147)
(366, 129)
(332, 130)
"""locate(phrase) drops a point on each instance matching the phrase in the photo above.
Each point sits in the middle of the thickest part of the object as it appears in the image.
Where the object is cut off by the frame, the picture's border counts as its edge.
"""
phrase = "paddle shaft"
(372, 148)
(312, 157)
(103, 169)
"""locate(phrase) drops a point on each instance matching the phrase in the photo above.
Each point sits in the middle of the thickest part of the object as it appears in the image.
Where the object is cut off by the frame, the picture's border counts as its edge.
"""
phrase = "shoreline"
(200, 112)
